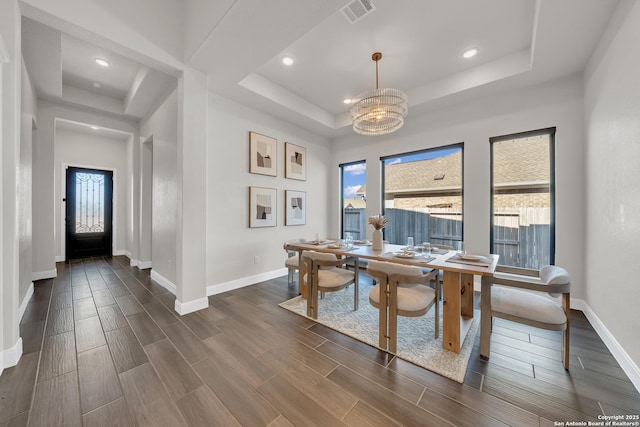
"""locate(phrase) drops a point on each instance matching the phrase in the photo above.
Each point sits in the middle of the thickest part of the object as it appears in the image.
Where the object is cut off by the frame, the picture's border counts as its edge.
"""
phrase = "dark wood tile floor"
(103, 347)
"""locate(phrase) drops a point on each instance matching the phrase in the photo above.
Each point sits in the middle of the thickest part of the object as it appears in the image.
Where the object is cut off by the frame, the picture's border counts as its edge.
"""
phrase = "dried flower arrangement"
(378, 221)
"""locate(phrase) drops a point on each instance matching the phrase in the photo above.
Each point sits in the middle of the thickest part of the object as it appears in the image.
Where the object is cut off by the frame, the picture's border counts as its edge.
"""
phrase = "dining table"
(458, 277)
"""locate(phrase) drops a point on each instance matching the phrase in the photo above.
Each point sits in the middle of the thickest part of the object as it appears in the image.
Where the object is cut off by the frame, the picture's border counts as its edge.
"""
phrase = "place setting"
(462, 257)
(418, 253)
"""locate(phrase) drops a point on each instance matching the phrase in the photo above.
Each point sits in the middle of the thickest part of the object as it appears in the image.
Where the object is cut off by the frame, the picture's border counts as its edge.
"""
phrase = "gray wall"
(163, 127)
(231, 244)
(612, 119)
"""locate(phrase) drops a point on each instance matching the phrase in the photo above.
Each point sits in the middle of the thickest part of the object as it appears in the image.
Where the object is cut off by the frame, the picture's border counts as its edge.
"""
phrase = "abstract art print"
(295, 165)
(296, 207)
(262, 153)
(262, 207)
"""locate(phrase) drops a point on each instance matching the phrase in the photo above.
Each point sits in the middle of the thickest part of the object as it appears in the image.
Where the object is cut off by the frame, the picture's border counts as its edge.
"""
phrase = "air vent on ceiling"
(357, 9)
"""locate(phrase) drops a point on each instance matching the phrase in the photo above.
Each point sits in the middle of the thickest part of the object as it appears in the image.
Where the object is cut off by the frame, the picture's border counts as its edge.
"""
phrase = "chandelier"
(379, 111)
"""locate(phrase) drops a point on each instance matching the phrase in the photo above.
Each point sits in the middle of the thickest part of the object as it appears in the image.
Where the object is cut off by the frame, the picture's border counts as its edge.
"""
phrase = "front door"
(89, 208)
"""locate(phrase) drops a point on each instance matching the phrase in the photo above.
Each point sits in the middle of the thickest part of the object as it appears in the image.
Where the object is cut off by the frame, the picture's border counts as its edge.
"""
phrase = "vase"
(377, 240)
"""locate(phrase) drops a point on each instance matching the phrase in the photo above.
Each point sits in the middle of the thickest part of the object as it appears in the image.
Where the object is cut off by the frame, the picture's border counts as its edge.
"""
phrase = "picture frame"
(263, 211)
(263, 154)
(295, 162)
(295, 207)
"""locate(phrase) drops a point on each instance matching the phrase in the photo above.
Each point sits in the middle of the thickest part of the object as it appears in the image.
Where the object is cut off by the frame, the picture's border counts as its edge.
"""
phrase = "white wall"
(96, 152)
(558, 104)
(46, 235)
(612, 119)
(10, 73)
(29, 108)
(163, 127)
(231, 244)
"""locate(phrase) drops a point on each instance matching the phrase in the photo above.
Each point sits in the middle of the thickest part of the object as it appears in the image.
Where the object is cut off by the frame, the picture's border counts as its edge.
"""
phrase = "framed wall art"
(296, 207)
(262, 207)
(295, 164)
(262, 154)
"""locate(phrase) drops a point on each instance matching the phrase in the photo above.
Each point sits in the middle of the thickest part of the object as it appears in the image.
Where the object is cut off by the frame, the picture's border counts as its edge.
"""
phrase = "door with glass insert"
(89, 208)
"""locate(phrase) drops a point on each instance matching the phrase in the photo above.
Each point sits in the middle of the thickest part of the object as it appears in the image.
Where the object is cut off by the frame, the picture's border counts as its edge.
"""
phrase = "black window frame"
(425, 150)
(342, 166)
(551, 132)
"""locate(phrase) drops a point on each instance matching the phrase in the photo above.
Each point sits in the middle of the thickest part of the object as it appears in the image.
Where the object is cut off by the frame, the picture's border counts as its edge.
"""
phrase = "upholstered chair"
(292, 265)
(324, 275)
(292, 261)
(401, 290)
(510, 300)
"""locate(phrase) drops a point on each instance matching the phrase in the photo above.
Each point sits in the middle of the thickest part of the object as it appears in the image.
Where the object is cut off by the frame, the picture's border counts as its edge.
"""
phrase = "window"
(423, 196)
(523, 200)
(354, 199)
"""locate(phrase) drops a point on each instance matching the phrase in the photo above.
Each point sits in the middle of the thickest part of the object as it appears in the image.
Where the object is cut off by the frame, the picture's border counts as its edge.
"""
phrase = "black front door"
(89, 208)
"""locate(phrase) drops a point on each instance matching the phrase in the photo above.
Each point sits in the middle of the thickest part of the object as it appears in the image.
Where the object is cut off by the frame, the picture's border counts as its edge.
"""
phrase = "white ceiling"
(241, 42)
(520, 42)
(63, 68)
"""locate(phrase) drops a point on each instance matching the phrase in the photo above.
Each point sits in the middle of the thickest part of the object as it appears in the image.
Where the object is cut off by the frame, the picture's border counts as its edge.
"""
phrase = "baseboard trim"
(244, 281)
(142, 265)
(25, 302)
(163, 281)
(183, 308)
(120, 252)
(60, 259)
(626, 363)
(41, 275)
(11, 356)
(133, 262)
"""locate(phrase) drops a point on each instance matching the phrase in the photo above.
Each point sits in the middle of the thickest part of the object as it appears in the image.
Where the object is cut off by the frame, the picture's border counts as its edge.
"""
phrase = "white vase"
(377, 240)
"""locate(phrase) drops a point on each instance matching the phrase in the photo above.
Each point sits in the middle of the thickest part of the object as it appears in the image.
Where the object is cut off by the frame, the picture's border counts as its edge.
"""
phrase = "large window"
(354, 199)
(422, 194)
(523, 200)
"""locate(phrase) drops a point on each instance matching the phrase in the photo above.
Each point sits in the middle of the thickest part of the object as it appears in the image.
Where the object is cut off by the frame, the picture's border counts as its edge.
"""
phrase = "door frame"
(63, 205)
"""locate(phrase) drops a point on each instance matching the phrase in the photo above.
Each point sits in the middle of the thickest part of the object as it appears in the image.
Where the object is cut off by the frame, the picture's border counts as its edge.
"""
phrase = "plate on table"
(337, 246)
(405, 254)
(320, 242)
(362, 242)
(471, 257)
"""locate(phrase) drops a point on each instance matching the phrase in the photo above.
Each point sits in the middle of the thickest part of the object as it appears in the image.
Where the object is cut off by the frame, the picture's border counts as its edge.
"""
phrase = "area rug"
(416, 343)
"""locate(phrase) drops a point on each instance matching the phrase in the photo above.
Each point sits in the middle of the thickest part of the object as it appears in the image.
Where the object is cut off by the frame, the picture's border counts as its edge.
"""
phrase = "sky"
(355, 175)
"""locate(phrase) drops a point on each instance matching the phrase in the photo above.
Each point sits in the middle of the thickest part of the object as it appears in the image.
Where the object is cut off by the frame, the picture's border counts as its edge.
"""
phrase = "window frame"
(551, 132)
(425, 150)
(342, 166)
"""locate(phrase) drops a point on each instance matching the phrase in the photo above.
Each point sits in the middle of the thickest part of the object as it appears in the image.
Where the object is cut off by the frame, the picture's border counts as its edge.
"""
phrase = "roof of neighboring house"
(355, 203)
(437, 173)
(519, 163)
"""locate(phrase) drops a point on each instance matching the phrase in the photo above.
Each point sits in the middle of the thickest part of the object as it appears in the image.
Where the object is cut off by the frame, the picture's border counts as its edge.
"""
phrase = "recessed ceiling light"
(347, 101)
(102, 62)
(470, 53)
(96, 85)
(287, 60)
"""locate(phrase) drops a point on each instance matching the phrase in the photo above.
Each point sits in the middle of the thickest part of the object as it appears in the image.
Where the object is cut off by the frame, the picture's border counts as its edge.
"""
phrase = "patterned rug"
(416, 343)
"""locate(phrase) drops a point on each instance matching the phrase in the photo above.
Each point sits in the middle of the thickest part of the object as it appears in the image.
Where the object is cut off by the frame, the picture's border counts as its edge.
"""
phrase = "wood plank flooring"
(103, 347)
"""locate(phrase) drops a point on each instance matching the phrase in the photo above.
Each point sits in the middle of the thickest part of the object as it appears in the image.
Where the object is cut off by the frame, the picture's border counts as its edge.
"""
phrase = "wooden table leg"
(466, 294)
(457, 309)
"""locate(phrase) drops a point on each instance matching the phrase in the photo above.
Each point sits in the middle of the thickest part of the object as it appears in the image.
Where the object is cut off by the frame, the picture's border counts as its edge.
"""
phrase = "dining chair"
(512, 301)
(292, 261)
(401, 290)
(292, 264)
(323, 275)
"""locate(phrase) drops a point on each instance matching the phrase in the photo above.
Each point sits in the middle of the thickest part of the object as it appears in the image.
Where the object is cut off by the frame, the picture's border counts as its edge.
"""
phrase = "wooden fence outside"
(521, 237)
